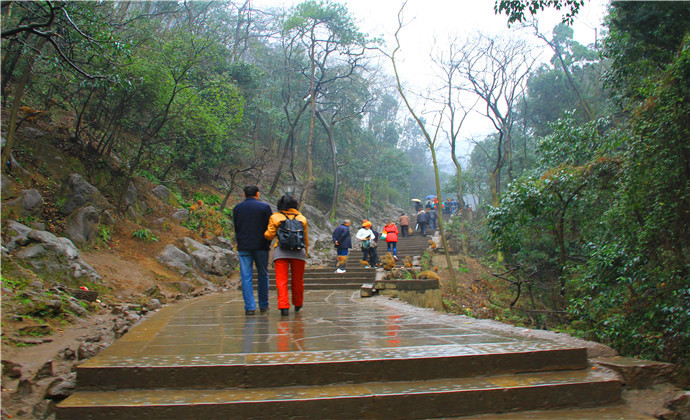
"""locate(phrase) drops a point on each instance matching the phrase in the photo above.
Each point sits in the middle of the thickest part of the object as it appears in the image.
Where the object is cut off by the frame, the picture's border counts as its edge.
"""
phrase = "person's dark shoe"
(297, 308)
(262, 310)
(284, 312)
(249, 312)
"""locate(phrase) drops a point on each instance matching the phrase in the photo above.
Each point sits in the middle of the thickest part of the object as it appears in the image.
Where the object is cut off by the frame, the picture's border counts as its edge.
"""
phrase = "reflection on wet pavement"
(334, 325)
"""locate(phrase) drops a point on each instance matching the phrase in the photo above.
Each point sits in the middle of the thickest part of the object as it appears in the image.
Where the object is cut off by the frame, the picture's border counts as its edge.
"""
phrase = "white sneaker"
(339, 271)
(395, 258)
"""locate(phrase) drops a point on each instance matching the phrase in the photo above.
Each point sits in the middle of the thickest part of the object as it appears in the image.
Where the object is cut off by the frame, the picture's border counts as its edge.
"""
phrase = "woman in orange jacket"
(284, 259)
(391, 231)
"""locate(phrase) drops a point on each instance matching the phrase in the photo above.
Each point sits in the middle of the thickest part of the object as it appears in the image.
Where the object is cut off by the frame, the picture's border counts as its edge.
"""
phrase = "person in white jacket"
(368, 239)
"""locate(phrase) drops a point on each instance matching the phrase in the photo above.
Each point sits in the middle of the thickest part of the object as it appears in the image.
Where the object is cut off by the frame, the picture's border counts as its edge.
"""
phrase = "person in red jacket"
(391, 231)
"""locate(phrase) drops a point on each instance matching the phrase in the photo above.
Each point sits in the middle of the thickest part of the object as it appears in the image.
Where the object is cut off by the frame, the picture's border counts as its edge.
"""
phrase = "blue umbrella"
(429, 197)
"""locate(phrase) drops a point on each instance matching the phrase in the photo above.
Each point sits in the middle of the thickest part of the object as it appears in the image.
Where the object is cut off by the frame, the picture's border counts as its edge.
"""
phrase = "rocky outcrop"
(198, 261)
(6, 186)
(163, 194)
(212, 259)
(29, 203)
(131, 195)
(49, 254)
(79, 193)
(82, 225)
(176, 259)
(180, 215)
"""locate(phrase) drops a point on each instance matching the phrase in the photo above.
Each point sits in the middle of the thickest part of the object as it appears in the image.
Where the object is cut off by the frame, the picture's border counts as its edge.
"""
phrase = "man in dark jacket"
(342, 242)
(423, 220)
(251, 220)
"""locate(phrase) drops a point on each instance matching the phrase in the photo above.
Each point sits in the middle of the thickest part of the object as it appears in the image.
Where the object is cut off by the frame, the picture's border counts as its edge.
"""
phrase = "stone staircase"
(324, 278)
(322, 386)
(411, 246)
(341, 357)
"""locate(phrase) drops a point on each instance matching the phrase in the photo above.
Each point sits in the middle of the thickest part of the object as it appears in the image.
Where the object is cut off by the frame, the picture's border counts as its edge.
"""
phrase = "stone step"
(327, 279)
(329, 274)
(382, 400)
(328, 367)
(326, 286)
(339, 357)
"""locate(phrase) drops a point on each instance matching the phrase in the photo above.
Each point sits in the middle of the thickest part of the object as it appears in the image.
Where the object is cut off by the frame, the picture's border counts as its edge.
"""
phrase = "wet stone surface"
(332, 326)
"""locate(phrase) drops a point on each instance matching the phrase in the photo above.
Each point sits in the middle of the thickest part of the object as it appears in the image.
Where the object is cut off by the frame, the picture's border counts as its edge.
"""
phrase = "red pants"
(297, 285)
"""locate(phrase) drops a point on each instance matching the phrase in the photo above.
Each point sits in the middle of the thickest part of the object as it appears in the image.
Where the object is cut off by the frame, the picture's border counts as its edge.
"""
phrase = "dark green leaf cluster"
(515, 9)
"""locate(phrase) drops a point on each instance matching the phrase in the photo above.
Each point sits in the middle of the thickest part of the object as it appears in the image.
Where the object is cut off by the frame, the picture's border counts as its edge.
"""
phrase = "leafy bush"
(211, 199)
(208, 222)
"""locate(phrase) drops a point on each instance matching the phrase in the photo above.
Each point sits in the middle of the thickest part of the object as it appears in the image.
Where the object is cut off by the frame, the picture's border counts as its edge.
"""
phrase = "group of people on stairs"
(256, 225)
(255, 228)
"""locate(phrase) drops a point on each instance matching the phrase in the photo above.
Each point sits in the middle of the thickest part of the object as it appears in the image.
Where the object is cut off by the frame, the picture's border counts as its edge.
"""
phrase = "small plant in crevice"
(105, 234)
(27, 220)
(145, 234)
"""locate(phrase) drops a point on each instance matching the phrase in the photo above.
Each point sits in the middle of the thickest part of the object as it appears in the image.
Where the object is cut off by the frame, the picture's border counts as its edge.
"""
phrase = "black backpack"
(291, 233)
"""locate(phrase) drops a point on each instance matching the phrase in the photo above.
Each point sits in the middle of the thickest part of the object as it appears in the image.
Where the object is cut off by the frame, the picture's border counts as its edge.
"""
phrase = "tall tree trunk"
(431, 144)
(130, 175)
(16, 103)
(8, 65)
(279, 171)
(312, 123)
(334, 157)
(292, 126)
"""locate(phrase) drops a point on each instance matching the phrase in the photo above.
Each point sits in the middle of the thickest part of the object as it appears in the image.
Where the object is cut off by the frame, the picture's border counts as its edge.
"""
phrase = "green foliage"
(210, 199)
(145, 234)
(208, 222)
(634, 290)
(27, 220)
(515, 9)
(105, 234)
(13, 283)
(643, 39)
(323, 188)
(607, 212)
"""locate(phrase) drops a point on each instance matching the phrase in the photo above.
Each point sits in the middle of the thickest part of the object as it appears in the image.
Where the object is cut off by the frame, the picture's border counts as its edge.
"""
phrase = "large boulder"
(107, 218)
(16, 235)
(6, 185)
(163, 194)
(54, 256)
(82, 225)
(175, 258)
(180, 215)
(29, 203)
(212, 259)
(79, 193)
(131, 195)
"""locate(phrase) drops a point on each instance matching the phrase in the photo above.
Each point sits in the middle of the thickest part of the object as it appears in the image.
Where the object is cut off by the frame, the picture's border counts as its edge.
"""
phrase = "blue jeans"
(393, 245)
(260, 258)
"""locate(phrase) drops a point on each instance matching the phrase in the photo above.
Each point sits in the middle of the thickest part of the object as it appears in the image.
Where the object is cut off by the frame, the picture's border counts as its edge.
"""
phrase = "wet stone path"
(333, 325)
(341, 356)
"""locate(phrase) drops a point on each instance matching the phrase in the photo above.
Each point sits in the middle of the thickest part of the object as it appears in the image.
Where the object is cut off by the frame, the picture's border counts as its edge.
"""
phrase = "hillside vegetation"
(581, 195)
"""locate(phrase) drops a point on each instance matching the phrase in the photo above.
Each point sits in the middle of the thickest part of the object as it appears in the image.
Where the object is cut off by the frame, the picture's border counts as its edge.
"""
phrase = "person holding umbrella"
(417, 204)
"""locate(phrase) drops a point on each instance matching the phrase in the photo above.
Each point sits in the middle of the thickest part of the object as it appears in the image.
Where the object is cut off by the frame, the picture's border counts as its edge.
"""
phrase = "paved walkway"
(334, 324)
(334, 329)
